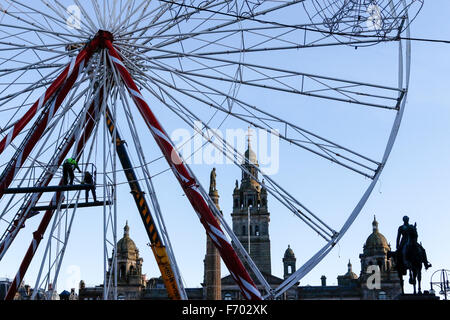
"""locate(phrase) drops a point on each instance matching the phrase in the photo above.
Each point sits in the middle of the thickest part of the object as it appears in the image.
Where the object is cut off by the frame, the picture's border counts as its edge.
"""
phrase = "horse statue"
(409, 255)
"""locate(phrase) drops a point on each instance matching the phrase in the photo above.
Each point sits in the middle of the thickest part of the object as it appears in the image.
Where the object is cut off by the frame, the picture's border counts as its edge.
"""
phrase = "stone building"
(374, 257)
(130, 280)
(250, 214)
(289, 261)
(251, 219)
(250, 223)
(350, 286)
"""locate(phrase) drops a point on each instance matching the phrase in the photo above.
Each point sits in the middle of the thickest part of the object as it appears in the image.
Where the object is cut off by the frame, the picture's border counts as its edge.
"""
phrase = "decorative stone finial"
(375, 224)
(126, 230)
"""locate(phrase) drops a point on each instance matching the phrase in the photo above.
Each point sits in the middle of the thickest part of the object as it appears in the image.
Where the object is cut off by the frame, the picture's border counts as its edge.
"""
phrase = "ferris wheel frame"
(120, 70)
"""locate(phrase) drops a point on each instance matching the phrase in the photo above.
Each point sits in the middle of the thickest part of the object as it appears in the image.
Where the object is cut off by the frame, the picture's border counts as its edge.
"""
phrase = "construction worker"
(89, 179)
(68, 167)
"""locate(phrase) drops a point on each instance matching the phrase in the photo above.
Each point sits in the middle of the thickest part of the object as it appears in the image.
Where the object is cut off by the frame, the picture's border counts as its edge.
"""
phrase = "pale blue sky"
(415, 182)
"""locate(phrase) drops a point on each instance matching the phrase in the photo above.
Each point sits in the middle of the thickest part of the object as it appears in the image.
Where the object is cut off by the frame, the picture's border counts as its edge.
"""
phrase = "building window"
(227, 296)
(256, 230)
(243, 230)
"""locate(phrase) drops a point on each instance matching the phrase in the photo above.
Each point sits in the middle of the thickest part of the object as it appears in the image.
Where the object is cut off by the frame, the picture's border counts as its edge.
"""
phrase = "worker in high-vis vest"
(68, 170)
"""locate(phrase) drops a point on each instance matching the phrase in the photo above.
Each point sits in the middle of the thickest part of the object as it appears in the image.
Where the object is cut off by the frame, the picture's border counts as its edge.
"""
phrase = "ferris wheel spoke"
(232, 154)
(66, 144)
(295, 137)
(150, 187)
(298, 81)
(64, 82)
(57, 220)
(258, 30)
(216, 27)
(237, 243)
(90, 26)
(29, 171)
(158, 13)
(141, 8)
(62, 10)
(52, 34)
(42, 29)
(31, 21)
(165, 24)
(192, 188)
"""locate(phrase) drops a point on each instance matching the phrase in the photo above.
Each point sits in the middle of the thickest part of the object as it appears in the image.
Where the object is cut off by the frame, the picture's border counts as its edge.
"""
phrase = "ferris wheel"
(78, 78)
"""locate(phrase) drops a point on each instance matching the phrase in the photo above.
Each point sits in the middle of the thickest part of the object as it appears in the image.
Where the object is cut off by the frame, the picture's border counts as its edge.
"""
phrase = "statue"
(212, 181)
(409, 255)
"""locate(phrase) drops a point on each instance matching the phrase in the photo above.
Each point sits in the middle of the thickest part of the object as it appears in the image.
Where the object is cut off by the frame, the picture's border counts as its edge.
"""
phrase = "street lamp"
(444, 284)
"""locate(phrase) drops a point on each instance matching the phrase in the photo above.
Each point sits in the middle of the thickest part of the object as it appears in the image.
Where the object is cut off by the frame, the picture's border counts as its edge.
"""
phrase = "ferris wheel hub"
(102, 36)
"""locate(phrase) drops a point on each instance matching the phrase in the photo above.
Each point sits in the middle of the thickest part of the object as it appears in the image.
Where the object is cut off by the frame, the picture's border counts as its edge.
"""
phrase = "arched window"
(227, 296)
(256, 230)
(243, 231)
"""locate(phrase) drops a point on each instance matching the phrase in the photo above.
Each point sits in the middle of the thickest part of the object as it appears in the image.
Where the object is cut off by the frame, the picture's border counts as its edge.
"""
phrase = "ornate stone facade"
(374, 253)
(251, 219)
(250, 214)
(130, 280)
(352, 287)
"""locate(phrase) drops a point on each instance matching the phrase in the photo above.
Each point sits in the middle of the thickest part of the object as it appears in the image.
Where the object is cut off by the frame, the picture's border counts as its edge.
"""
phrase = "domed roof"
(126, 245)
(250, 155)
(289, 253)
(350, 274)
(376, 241)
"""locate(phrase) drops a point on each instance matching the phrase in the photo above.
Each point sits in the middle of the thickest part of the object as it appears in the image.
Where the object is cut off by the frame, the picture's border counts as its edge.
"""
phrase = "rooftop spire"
(375, 224)
(126, 230)
(249, 134)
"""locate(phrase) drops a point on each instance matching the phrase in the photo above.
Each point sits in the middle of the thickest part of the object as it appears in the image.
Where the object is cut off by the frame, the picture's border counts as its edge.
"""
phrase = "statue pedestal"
(422, 296)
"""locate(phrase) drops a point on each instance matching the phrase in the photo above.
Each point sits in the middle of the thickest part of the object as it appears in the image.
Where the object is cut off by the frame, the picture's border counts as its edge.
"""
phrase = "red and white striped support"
(189, 184)
(75, 65)
(38, 235)
(90, 119)
(63, 83)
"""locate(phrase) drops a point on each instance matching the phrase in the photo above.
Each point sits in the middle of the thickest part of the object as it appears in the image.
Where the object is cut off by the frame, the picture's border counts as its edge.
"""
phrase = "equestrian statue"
(409, 255)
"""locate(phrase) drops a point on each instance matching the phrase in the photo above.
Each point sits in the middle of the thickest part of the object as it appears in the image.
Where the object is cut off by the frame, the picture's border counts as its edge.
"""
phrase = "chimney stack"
(323, 279)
